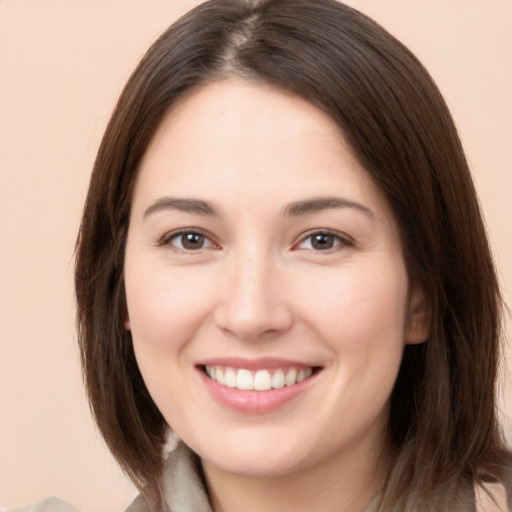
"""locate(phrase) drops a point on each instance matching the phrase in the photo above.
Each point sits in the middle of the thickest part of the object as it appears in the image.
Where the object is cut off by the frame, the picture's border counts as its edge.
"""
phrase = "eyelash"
(340, 241)
(176, 235)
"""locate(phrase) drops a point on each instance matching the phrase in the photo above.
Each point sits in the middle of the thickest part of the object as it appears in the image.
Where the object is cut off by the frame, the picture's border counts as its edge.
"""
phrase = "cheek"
(165, 307)
(358, 309)
(360, 316)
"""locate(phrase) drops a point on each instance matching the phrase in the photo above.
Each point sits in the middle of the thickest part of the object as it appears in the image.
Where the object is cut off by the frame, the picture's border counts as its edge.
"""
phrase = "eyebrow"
(318, 204)
(295, 209)
(197, 206)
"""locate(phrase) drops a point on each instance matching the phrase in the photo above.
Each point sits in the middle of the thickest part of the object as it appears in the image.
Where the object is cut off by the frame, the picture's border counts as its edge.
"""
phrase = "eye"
(323, 241)
(188, 241)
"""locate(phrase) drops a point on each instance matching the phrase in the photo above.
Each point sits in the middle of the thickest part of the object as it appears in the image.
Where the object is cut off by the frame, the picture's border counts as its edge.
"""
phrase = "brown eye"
(192, 241)
(189, 241)
(322, 241)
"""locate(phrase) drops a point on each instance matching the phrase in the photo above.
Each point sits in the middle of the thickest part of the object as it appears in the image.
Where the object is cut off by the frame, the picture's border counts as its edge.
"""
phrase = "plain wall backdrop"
(62, 66)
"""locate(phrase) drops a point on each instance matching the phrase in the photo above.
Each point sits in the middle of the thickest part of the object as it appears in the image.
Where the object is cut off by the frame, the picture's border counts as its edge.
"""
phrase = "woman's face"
(267, 293)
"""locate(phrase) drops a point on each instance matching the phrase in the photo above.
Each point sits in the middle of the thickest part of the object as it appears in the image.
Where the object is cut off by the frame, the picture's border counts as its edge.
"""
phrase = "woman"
(282, 260)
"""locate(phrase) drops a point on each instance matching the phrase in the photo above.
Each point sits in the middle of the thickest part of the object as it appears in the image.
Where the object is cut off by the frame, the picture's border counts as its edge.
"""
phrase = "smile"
(256, 385)
(260, 380)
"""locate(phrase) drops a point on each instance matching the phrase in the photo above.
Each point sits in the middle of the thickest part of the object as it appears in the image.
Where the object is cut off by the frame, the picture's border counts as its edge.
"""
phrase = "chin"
(260, 466)
(256, 455)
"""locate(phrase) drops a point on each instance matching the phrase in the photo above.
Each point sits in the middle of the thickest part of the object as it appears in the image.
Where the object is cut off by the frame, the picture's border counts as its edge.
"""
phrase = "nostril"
(254, 324)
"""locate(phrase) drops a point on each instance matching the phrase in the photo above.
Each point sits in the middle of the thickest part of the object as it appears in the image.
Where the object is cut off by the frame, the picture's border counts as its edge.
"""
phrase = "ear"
(127, 325)
(417, 327)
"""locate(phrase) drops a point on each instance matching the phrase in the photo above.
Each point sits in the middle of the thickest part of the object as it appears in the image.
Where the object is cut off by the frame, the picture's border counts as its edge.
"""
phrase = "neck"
(332, 486)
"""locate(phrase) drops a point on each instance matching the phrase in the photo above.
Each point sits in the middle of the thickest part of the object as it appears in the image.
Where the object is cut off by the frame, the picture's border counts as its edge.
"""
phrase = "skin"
(259, 287)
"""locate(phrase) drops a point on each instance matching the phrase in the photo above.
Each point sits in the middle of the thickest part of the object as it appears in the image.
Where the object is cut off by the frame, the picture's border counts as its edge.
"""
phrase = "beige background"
(62, 65)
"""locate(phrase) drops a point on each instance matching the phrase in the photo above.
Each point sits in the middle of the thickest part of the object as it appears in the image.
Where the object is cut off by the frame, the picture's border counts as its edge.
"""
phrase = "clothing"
(183, 491)
(51, 504)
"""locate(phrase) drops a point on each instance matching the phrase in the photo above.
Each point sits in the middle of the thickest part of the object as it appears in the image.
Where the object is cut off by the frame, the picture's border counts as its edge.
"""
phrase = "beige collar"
(183, 487)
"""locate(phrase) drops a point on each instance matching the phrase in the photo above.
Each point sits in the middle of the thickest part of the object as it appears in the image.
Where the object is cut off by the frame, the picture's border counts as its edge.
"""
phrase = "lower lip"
(255, 401)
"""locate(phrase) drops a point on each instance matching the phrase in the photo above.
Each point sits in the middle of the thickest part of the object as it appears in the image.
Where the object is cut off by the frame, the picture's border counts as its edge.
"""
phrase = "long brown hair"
(443, 430)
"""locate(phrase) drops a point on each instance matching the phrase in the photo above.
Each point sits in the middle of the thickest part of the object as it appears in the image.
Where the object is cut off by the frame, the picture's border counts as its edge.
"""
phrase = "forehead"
(232, 136)
(244, 116)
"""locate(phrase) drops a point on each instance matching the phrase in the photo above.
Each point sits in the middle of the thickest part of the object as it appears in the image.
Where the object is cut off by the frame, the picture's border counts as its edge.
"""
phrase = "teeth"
(262, 380)
(219, 376)
(303, 374)
(244, 380)
(278, 379)
(230, 378)
(291, 377)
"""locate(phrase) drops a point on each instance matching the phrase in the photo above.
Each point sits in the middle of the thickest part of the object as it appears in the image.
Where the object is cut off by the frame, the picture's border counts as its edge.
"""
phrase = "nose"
(253, 304)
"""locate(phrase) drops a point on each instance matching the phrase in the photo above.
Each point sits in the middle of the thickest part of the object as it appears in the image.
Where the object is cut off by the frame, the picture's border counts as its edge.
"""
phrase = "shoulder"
(51, 504)
(492, 497)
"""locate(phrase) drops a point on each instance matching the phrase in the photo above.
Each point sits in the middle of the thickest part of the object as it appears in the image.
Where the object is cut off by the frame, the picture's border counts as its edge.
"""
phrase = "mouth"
(263, 379)
(256, 386)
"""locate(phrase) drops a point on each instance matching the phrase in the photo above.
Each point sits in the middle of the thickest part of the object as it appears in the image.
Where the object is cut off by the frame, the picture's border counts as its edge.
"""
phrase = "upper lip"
(255, 364)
